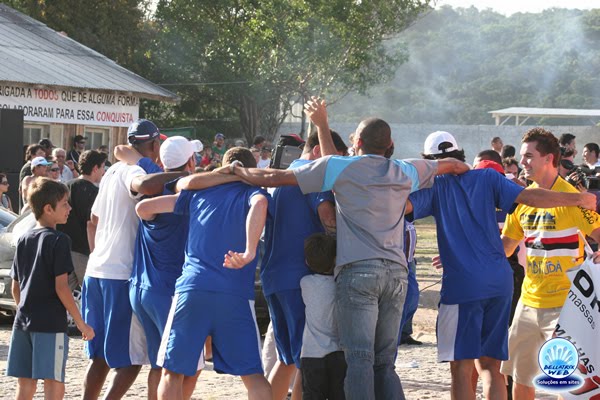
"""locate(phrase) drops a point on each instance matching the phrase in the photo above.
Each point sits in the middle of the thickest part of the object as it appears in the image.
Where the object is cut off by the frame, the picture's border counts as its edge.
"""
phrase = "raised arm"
(153, 184)
(204, 180)
(316, 110)
(452, 166)
(255, 222)
(542, 198)
(127, 154)
(147, 209)
(267, 177)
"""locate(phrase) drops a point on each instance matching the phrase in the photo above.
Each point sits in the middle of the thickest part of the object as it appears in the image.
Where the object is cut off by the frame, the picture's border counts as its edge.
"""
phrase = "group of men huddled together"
(178, 266)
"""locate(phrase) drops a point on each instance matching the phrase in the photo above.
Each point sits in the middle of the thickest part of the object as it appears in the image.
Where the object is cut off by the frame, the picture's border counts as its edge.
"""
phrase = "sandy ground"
(422, 377)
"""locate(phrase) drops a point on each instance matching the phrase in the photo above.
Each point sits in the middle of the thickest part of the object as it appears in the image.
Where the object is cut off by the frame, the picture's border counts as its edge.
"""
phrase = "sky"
(508, 7)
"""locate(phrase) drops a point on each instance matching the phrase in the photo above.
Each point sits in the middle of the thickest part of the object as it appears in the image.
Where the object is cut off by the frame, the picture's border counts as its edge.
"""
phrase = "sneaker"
(410, 341)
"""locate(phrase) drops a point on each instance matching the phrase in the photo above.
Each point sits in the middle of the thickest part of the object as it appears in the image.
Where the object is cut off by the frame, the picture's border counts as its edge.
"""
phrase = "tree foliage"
(464, 63)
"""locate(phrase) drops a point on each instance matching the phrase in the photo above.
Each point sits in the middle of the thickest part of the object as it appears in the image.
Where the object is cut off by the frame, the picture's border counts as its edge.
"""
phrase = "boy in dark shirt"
(39, 343)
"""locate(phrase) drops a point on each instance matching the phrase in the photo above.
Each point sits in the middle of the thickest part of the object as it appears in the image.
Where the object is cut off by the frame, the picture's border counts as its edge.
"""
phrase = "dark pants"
(323, 378)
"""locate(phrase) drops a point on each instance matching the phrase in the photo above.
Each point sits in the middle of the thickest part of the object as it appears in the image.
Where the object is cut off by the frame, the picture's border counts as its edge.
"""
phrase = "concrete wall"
(409, 138)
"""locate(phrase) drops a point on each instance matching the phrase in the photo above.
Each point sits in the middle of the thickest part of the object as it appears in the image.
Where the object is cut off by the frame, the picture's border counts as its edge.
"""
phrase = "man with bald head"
(371, 271)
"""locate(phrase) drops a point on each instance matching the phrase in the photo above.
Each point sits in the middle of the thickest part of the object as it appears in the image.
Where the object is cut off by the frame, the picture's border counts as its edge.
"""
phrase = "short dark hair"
(565, 139)
(508, 150)
(241, 154)
(45, 191)
(320, 252)
(258, 140)
(496, 139)
(79, 138)
(508, 161)
(546, 143)
(31, 150)
(313, 140)
(491, 155)
(593, 147)
(376, 135)
(91, 158)
(457, 154)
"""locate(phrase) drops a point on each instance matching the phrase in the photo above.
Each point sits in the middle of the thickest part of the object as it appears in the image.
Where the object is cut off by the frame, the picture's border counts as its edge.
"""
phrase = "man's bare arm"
(92, 225)
(127, 154)
(153, 184)
(326, 211)
(204, 180)
(452, 166)
(542, 198)
(316, 110)
(16, 291)
(267, 177)
(510, 245)
(255, 222)
(148, 209)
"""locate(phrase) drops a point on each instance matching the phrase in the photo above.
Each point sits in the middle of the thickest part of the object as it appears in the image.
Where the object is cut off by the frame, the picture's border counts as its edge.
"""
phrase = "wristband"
(233, 164)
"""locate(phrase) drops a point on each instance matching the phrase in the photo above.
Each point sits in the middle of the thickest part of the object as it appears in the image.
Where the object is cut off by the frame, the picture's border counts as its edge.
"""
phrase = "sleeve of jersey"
(182, 205)
(506, 191)
(13, 268)
(421, 172)
(422, 202)
(62, 263)
(148, 165)
(314, 200)
(587, 220)
(512, 227)
(311, 176)
(133, 171)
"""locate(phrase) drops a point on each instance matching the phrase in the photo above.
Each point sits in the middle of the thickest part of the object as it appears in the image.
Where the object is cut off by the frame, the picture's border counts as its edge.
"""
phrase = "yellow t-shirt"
(552, 245)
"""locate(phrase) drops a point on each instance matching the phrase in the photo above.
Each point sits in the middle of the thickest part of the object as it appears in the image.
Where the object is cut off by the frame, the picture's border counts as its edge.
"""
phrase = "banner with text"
(71, 106)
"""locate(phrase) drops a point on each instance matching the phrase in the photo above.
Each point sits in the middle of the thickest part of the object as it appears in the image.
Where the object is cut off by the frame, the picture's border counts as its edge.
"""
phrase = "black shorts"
(323, 378)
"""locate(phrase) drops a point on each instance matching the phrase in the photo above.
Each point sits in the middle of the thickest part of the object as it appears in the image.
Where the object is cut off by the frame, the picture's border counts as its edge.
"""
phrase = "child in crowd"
(39, 343)
(322, 359)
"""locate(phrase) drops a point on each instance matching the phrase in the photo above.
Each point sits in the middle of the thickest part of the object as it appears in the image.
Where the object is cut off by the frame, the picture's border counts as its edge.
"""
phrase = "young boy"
(39, 343)
(322, 361)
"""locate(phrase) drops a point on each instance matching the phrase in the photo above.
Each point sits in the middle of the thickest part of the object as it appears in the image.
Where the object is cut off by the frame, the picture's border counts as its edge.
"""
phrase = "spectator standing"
(47, 146)
(259, 142)
(39, 168)
(218, 146)
(82, 193)
(39, 343)
(265, 158)
(497, 144)
(67, 169)
(4, 199)
(104, 149)
(508, 151)
(590, 156)
(78, 148)
(567, 141)
(54, 171)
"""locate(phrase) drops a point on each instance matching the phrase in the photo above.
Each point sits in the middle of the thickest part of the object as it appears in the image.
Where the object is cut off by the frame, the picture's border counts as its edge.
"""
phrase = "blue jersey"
(217, 224)
(159, 251)
(464, 207)
(295, 219)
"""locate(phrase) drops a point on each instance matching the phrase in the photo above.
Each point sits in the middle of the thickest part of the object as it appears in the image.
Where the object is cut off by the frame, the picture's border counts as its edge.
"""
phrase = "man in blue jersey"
(371, 273)
(296, 217)
(215, 293)
(477, 281)
(158, 259)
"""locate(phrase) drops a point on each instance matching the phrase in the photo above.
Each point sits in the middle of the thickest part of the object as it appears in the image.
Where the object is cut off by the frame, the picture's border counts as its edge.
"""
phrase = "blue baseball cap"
(143, 130)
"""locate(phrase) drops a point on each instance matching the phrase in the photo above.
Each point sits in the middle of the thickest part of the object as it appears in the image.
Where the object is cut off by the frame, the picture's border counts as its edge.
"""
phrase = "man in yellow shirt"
(553, 246)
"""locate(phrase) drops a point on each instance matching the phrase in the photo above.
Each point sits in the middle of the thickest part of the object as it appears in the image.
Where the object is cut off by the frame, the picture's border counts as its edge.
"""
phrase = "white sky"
(508, 7)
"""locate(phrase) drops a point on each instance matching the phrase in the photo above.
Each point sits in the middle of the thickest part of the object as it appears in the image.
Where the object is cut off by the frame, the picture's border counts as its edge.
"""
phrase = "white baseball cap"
(433, 143)
(177, 150)
(39, 161)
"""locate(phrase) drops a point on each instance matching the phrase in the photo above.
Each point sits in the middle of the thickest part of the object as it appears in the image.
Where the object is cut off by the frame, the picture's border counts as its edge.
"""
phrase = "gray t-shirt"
(320, 331)
(370, 194)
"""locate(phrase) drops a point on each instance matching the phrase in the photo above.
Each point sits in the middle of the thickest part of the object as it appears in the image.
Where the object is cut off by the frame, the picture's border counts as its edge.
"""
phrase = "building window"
(34, 133)
(96, 137)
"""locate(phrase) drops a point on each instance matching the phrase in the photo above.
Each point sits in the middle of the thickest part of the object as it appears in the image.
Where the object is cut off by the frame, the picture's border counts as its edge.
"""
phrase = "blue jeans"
(368, 305)
(411, 303)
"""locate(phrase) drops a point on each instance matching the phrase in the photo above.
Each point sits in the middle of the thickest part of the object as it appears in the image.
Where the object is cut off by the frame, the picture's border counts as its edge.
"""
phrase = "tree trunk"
(249, 119)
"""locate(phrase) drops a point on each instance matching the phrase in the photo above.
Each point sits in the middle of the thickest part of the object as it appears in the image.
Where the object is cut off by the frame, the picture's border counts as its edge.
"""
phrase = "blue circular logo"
(558, 358)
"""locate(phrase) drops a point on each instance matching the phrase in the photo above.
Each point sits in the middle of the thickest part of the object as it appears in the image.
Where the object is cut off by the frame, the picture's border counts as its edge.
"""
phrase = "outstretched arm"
(204, 180)
(452, 166)
(542, 198)
(148, 209)
(267, 177)
(153, 184)
(316, 110)
(255, 222)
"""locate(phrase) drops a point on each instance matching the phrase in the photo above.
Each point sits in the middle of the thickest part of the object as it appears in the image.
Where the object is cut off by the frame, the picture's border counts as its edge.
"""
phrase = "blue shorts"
(473, 330)
(152, 310)
(287, 316)
(231, 322)
(119, 339)
(38, 355)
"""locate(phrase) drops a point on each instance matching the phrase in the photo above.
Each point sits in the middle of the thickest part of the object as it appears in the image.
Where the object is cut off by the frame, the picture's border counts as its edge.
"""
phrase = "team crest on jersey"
(544, 220)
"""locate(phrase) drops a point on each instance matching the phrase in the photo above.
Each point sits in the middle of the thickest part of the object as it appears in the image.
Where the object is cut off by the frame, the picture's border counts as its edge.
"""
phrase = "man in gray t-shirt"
(371, 273)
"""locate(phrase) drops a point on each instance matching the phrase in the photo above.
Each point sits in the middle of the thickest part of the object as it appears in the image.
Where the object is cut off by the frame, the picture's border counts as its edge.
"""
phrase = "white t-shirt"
(65, 175)
(263, 163)
(320, 331)
(112, 257)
